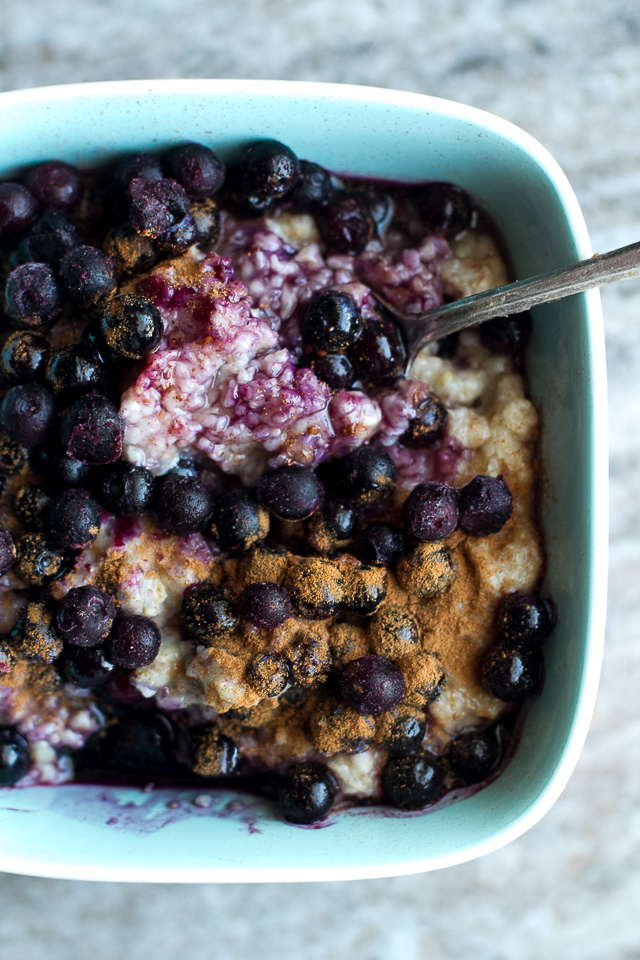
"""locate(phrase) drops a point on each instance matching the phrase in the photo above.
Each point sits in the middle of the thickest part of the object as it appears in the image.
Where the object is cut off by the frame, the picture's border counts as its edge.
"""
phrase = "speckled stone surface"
(569, 72)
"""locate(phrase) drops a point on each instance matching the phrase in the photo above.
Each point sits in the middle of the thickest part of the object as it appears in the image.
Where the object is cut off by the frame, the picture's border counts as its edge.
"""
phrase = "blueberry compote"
(237, 544)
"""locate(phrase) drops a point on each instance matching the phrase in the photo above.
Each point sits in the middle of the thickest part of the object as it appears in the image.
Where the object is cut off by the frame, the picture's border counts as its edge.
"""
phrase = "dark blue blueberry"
(316, 588)
(365, 475)
(485, 505)
(430, 511)
(413, 781)
(142, 165)
(208, 611)
(525, 619)
(57, 469)
(57, 185)
(269, 674)
(34, 636)
(132, 326)
(380, 544)
(212, 753)
(27, 413)
(134, 641)
(7, 551)
(339, 519)
(38, 561)
(401, 730)
(394, 633)
(143, 744)
(331, 322)
(206, 217)
(32, 294)
(24, 356)
(372, 684)
(183, 505)
(87, 667)
(307, 793)
(445, 208)
(87, 275)
(73, 519)
(367, 592)
(473, 754)
(18, 207)
(238, 521)
(508, 335)
(160, 210)
(74, 370)
(428, 425)
(50, 237)
(129, 251)
(15, 759)
(91, 430)
(265, 604)
(269, 170)
(312, 190)
(379, 353)
(309, 660)
(127, 490)
(512, 672)
(85, 616)
(346, 223)
(197, 168)
(334, 369)
(290, 493)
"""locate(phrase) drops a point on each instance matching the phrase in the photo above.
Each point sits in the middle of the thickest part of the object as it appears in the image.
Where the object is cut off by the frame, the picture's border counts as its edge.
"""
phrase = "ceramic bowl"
(120, 834)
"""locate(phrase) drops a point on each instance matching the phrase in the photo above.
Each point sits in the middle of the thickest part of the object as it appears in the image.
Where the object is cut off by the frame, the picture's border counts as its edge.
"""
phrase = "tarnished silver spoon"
(421, 328)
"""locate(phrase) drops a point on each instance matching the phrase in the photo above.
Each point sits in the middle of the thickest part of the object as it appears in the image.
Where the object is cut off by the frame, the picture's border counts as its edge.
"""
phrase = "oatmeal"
(238, 544)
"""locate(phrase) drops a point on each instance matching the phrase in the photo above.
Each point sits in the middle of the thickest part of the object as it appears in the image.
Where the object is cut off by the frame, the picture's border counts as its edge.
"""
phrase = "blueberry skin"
(307, 793)
(430, 511)
(7, 551)
(24, 356)
(264, 604)
(57, 185)
(85, 616)
(208, 612)
(331, 322)
(485, 505)
(290, 493)
(312, 190)
(197, 168)
(513, 673)
(413, 781)
(91, 430)
(183, 505)
(365, 475)
(268, 171)
(238, 521)
(87, 275)
(127, 491)
(381, 544)
(32, 294)
(346, 223)
(525, 619)
(73, 519)
(15, 759)
(27, 413)
(87, 667)
(134, 641)
(18, 207)
(474, 754)
(372, 685)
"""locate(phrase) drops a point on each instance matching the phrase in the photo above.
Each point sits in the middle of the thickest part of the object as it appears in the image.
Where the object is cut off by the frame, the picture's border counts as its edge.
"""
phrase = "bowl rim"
(312, 90)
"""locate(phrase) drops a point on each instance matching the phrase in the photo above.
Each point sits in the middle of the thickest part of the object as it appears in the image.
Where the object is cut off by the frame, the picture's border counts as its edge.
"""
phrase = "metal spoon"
(420, 328)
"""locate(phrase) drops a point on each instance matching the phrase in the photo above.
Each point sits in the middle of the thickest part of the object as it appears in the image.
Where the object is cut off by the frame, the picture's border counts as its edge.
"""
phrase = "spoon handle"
(522, 295)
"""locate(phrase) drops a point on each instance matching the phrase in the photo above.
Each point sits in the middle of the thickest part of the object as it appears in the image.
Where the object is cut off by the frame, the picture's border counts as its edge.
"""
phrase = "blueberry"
(13, 457)
(91, 430)
(430, 512)
(335, 728)
(428, 425)
(7, 551)
(24, 356)
(87, 667)
(372, 684)
(366, 475)
(213, 754)
(269, 674)
(312, 190)
(87, 275)
(265, 604)
(183, 505)
(307, 793)
(368, 590)
(129, 252)
(525, 619)
(445, 208)
(32, 295)
(331, 322)
(38, 561)
(238, 521)
(34, 636)
(485, 505)
(334, 369)
(50, 237)
(379, 353)
(142, 165)
(413, 781)
(74, 370)
(473, 755)
(15, 759)
(160, 210)
(206, 218)
(380, 544)
(18, 207)
(85, 616)
(57, 185)
(508, 335)
(127, 490)
(144, 744)
(30, 505)
(208, 611)
(316, 588)
(132, 325)
(426, 570)
(401, 730)
(27, 413)
(345, 223)
(57, 469)
(197, 168)
(394, 633)
(332, 525)
(513, 673)
(73, 519)
(134, 641)
(268, 171)
(309, 659)
(290, 493)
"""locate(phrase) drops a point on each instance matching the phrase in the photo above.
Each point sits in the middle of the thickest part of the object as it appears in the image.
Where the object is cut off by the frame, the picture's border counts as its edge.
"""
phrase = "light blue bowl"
(117, 834)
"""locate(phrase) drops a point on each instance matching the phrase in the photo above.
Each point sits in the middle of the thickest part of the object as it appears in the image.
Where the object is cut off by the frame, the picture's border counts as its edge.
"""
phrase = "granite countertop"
(569, 73)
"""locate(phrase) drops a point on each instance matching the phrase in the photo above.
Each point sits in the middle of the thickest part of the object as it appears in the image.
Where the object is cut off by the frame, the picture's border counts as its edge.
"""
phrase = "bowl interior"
(112, 833)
